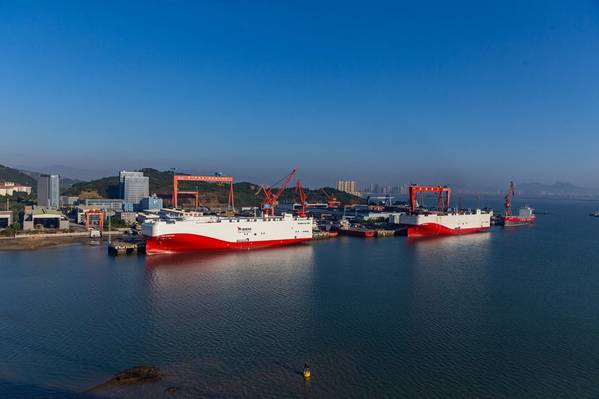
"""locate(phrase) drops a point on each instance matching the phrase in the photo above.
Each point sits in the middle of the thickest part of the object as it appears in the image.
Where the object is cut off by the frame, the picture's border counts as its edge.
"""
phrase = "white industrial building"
(9, 188)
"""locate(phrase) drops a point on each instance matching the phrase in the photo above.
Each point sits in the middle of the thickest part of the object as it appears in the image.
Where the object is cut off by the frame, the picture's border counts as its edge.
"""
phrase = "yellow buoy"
(307, 373)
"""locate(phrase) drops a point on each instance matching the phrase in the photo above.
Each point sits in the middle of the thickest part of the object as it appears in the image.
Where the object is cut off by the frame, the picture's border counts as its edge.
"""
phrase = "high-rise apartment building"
(48, 191)
(348, 186)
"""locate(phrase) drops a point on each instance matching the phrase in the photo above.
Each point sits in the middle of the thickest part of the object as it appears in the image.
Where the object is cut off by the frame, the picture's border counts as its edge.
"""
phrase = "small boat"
(594, 214)
(346, 229)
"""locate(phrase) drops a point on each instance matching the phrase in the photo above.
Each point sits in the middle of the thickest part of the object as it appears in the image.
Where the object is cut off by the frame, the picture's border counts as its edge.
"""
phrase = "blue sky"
(470, 93)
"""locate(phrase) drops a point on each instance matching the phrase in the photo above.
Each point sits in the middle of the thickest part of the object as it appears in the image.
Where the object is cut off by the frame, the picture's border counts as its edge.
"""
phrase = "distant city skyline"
(466, 94)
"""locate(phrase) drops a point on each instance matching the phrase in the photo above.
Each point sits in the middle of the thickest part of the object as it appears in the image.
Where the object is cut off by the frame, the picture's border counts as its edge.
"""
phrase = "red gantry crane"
(270, 199)
(97, 215)
(443, 195)
(210, 179)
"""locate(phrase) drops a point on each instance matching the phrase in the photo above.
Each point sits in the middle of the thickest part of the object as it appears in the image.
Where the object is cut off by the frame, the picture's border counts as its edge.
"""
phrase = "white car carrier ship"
(420, 223)
(193, 231)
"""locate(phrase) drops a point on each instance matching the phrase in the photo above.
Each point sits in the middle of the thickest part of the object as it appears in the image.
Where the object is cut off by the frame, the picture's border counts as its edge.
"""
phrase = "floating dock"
(124, 248)
(384, 233)
(323, 235)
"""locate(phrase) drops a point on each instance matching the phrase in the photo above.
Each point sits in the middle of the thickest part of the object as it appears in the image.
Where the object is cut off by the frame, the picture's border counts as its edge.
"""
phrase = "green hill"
(106, 187)
(161, 183)
(16, 176)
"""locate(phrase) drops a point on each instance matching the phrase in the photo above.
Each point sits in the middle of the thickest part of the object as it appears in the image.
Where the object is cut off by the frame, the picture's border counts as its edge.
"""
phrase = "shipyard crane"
(270, 199)
(210, 179)
(332, 201)
(508, 199)
(443, 195)
(302, 198)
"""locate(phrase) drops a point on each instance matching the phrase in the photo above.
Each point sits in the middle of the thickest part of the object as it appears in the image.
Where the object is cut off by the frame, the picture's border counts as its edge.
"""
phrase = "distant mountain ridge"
(72, 173)
(65, 182)
(555, 189)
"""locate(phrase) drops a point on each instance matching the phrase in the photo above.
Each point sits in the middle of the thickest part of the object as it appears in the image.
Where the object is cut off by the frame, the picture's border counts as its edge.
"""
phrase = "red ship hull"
(192, 242)
(518, 220)
(434, 229)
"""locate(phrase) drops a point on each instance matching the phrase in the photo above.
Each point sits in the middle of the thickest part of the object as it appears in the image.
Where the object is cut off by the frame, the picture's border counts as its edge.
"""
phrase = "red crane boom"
(270, 199)
(508, 199)
(332, 201)
(302, 198)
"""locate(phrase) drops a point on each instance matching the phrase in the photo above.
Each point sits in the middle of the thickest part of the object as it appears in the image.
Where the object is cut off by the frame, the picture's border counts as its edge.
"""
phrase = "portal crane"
(508, 199)
(302, 198)
(332, 201)
(270, 199)
(209, 179)
(99, 216)
(443, 195)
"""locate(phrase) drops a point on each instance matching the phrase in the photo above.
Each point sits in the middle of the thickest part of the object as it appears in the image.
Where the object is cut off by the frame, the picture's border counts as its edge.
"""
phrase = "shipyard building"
(133, 186)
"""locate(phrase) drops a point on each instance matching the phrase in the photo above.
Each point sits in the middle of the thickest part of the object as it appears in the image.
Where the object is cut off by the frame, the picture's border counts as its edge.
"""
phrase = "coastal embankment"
(27, 242)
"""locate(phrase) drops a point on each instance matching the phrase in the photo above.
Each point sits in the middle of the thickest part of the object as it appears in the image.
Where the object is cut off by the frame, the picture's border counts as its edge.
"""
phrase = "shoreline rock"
(133, 376)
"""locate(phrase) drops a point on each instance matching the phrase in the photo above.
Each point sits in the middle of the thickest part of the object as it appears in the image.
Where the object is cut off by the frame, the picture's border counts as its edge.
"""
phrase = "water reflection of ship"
(450, 241)
(224, 291)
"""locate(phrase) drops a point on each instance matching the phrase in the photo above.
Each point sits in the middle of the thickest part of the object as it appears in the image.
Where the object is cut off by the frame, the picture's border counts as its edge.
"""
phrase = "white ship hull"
(434, 224)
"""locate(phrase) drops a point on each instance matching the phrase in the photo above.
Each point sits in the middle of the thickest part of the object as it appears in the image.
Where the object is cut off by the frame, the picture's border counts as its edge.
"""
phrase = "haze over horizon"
(470, 94)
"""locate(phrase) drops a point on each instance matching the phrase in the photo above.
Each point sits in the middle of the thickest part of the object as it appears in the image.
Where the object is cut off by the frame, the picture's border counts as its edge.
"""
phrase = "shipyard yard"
(449, 316)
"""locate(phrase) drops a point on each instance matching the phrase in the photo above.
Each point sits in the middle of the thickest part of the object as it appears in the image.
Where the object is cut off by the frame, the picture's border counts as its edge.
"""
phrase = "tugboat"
(525, 214)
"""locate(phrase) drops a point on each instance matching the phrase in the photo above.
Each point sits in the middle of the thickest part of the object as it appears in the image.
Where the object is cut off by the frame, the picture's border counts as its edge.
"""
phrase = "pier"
(124, 248)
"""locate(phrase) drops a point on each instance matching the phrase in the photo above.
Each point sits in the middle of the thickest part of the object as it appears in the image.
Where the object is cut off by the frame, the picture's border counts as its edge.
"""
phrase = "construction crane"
(270, 199)
(508, 199)
(332, 201)
(302, 198)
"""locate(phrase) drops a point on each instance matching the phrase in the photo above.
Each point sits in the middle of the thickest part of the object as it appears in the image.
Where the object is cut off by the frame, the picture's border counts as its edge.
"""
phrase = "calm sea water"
(510, 313)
